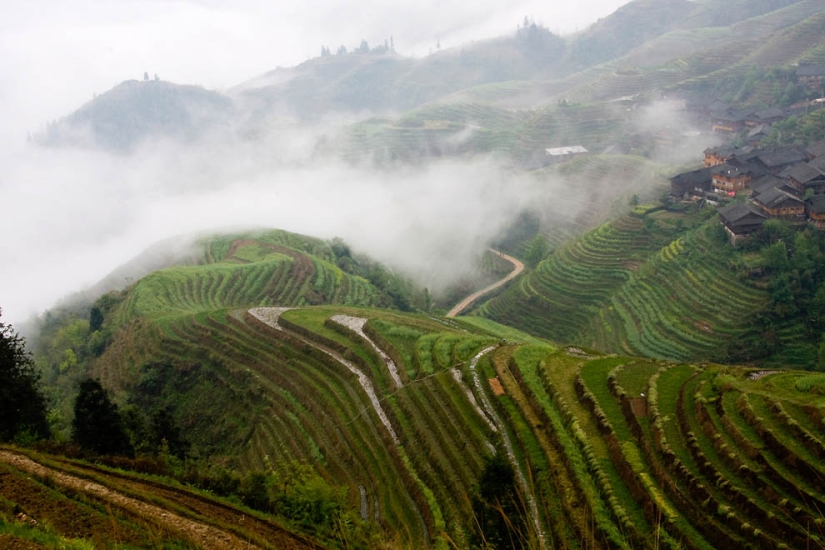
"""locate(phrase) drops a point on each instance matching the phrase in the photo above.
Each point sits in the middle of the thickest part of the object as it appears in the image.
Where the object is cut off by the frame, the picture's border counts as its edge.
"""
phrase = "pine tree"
(97, 425)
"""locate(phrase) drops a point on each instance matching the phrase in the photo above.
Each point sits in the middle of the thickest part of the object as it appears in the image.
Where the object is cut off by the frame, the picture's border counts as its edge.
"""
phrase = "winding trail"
(465, 303)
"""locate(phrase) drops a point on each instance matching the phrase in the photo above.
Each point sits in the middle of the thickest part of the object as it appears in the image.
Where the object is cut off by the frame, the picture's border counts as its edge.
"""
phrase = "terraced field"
(677, 305)
(401, 415)
(559, 297)
(608, 451)
(50, 502)
(251, 269)
(641, 285)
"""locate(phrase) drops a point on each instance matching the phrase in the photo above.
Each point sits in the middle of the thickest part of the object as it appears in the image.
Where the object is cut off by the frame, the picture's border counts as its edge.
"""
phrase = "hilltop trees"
(22, 405)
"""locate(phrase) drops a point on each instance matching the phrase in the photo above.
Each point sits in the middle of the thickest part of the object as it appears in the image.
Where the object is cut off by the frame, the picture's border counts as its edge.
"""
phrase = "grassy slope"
(282, 400)
(590, 473)
(647, 284)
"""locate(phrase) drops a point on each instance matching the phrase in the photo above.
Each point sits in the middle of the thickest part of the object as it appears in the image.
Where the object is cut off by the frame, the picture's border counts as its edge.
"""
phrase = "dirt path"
(356, 324)
(270, 315)
(204, 536)
(465, 303)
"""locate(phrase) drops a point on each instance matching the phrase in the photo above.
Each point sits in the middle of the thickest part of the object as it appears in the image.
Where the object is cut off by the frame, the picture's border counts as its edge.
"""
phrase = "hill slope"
(134, 111)
(403, 413)
(667, 285)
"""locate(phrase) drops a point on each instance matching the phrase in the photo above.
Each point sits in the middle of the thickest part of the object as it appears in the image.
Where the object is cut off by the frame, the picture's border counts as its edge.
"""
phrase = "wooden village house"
(811, 75)
(777, 203)
(777, 179)
(804, 176)
(727, 178)
(815, 210)
(740, 220)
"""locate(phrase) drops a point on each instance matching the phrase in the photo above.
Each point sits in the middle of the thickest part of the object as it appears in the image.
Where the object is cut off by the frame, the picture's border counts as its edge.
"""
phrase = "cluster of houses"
(780, 182)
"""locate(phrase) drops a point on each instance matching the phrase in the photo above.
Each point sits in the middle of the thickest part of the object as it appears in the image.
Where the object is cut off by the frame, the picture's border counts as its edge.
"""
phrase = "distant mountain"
(644, 47)
(382, 81)
(136, 110)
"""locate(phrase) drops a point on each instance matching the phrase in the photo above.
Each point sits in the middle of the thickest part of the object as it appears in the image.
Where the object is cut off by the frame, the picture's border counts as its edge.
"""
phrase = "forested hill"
(135, 111)
(646, 45)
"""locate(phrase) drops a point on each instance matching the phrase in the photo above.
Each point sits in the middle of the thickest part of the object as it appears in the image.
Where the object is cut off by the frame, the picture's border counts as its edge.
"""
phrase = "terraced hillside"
(641, 285)
(403, 413)
(458, 127)
(519, 119)
(266, 268)
(407, 430)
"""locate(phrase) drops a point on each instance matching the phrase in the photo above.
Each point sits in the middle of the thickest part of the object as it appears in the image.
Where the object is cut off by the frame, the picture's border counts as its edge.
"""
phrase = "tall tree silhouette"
(22, 405)
(97, 425)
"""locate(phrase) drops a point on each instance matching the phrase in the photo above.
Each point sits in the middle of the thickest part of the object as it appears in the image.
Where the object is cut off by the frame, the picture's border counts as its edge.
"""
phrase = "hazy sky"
(54, 55)
(69, 217)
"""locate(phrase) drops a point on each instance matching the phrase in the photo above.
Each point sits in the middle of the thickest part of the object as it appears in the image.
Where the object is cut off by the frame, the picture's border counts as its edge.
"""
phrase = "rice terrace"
(578, 300)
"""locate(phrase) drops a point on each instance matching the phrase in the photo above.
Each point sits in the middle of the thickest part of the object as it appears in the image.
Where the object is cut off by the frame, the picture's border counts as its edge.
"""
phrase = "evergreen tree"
(95, 319)
(165, 430)
(97, 425)
(498, 507)
(22, 405)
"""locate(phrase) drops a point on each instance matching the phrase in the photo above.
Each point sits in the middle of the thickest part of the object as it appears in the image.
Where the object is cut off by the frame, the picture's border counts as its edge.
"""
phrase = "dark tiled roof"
(762, 129)
(691, 180)
(718, 106)
(818, 163)
(740, 214)
(734, 115)
(773, 198)
(733, 169)
(695, 176)
(816, 204)
(773, 112)
(765, 183)
(811, 70)
(777, 156)
(803, 173)
(817, 149)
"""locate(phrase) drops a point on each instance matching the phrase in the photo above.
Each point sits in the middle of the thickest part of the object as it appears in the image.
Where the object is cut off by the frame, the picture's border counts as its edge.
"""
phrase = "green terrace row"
(675, 305)
(680, 464)
(290, 392)
(432, 448)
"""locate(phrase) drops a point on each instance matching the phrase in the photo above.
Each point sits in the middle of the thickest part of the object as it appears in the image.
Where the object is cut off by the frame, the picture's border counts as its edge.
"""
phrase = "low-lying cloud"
(72, 216)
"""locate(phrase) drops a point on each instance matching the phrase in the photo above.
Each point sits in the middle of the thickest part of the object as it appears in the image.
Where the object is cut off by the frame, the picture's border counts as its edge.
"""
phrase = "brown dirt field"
(495, 385)
(70, 519)
(205, 536)
(639, 406)
(265, 532)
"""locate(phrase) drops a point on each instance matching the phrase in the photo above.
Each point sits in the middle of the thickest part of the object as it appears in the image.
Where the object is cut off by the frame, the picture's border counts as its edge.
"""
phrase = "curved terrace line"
(506, 442)
(201, 534)
(465, 303)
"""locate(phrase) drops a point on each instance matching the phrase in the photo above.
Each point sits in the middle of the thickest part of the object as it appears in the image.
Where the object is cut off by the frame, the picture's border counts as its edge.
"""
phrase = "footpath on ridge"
(465, 303)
